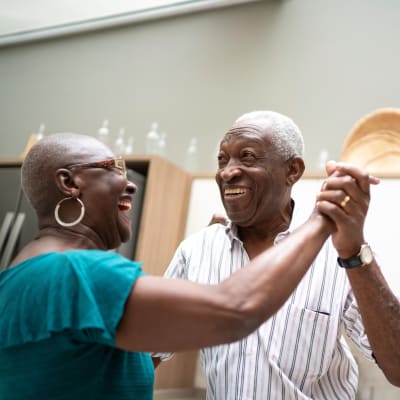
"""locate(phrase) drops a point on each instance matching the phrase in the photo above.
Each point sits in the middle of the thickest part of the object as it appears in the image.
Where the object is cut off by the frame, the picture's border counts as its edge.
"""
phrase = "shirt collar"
(297, 219)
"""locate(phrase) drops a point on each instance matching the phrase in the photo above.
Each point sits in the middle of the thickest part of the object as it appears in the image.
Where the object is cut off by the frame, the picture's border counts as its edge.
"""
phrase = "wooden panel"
(162, 227)
(178, 372)
(164, 214)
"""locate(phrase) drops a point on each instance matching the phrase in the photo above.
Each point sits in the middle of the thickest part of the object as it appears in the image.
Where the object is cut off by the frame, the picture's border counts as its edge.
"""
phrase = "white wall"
(325, 63)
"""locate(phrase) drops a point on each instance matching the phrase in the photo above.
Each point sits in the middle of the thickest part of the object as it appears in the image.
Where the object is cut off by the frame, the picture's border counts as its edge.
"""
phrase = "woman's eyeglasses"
(117, 163)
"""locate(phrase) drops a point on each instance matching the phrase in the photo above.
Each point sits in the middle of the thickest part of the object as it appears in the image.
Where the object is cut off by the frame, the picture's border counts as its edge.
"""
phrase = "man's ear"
(65, 182)
(295, 170)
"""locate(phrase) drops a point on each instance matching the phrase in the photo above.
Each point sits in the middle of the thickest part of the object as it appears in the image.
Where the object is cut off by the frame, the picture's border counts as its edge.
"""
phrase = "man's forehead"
(248, 132)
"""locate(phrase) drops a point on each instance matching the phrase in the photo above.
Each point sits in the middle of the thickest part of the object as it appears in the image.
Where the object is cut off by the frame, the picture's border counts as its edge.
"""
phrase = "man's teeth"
(235, 191)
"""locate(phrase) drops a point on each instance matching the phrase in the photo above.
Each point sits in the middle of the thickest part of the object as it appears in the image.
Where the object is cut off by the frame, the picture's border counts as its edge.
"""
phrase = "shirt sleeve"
(177, 266)
(104, 287)
(353, 322)
(354, 327)
(78, 293)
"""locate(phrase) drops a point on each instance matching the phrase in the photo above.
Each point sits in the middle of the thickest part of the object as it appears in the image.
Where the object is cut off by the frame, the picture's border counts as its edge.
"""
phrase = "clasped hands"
(344, 198)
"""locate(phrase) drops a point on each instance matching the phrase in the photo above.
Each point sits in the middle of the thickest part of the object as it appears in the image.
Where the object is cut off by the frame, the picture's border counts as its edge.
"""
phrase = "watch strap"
(352, 262)
(364, 257)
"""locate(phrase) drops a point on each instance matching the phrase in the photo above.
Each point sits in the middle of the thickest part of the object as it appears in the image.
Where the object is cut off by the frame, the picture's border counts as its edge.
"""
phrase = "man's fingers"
(330, 167)
(357, 173)
(338, 171)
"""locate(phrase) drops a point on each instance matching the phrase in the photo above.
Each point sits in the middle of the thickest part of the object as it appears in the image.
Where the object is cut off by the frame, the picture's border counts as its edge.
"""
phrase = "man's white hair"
(285, 134)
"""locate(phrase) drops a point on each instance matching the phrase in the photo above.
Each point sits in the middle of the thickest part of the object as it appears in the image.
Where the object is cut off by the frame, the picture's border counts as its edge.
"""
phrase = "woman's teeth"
(124, 205)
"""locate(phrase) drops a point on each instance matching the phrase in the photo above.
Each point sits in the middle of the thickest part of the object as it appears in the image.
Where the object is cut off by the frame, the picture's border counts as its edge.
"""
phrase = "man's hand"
(344, 198)
(218, 219)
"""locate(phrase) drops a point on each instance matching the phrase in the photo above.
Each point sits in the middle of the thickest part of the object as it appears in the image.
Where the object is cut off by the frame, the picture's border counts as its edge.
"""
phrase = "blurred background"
(193, 67)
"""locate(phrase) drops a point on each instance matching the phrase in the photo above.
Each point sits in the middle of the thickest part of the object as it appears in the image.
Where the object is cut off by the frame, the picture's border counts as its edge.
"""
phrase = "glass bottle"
(152, 139)
(191, 161)
(162, 145)
(323, 157)
(103, 134)
(119, 144)
(40, 132)
(129, 145)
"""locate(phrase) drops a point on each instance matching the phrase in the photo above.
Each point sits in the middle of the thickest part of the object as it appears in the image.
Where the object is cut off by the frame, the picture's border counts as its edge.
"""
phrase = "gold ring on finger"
(345, 201)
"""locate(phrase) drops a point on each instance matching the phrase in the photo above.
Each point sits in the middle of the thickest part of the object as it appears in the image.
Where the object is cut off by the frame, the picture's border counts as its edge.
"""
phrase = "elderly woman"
(77, 320)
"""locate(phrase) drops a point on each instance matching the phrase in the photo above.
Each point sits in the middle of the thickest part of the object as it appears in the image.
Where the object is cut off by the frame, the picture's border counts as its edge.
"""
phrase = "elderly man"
(299, 353)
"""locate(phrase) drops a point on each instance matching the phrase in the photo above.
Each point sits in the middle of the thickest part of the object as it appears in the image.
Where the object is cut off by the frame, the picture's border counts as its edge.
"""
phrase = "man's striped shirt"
(298, 353)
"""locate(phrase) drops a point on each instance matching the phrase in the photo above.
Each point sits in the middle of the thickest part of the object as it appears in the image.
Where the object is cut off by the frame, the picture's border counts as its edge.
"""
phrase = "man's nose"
(231, 170)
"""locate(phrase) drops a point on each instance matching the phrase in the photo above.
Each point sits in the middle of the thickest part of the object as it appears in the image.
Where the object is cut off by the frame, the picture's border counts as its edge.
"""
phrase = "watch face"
(366, 254)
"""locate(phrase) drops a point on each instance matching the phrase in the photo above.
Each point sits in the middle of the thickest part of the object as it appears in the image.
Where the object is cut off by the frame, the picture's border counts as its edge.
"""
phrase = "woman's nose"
(131, 188)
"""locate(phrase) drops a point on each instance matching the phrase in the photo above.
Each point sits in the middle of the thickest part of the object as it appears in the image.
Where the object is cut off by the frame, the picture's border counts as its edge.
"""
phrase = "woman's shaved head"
(45, 157)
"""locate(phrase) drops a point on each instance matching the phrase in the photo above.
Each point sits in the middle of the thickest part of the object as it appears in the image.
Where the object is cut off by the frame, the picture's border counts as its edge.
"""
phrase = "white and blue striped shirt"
(298, 353)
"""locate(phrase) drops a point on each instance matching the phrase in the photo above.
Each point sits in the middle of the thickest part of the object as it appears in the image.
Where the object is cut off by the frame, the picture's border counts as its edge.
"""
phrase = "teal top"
(58, 317)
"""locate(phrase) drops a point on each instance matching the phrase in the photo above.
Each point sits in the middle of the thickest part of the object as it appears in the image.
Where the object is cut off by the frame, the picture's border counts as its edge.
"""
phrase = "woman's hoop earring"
(73, 223)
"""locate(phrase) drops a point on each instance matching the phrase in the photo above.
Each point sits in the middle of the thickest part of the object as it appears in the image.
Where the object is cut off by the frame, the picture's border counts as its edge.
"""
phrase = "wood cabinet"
(164, 211)
(161, 228)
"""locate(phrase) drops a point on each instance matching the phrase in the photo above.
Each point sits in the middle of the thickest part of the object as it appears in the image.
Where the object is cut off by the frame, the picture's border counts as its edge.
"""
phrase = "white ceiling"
(23, 15)
(19, 18)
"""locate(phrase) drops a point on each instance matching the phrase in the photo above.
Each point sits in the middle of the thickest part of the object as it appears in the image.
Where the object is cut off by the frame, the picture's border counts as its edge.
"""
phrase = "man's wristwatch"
(364, 257)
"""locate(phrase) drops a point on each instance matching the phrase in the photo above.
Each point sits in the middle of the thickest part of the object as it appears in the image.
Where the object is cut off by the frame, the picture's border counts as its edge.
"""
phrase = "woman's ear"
(296, 170)
(65, 182)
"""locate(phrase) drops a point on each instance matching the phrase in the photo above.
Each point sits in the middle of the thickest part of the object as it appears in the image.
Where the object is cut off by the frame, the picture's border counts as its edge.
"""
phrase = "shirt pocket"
(302, 342)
